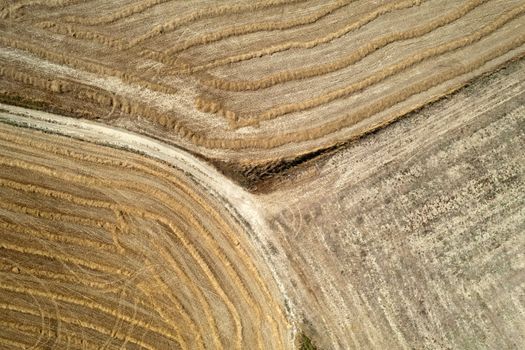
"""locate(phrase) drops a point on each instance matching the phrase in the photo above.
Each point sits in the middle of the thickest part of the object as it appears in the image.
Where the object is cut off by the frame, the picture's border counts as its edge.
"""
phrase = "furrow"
(65, 258)
(187, 214)
(234, 275)
(167, 333)
(44, 214)
(224, 227)
(148, 215)
(356, 56)
(197, 292)
(367, 18)
(64, 196)
(121, 44)
(43, 191)
(20, 326)
(194, 253)
(68, 338)
(312, 133)
(386, 72)
(60, 277)
(367, 111)
(135, 109)
(77, 91)
(80, 323)
(257, 27)
(12, 343)
(211, 12)
(73, 31)
(50, 236)
(232, 272)
(10, 11)
(78, 63)
(167, 291)
(53, 85)
(113, 17)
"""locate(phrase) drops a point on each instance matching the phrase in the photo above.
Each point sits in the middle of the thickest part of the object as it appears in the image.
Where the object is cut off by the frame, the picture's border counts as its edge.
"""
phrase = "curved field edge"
(238, 203)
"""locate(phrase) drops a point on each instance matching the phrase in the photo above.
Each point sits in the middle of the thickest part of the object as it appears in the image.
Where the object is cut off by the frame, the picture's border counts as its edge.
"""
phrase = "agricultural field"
(266, 174)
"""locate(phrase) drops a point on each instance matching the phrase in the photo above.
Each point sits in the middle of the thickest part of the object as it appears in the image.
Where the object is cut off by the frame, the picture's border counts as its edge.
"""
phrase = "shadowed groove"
(345, 121)
(65, 258)
(68, 278)
(54, 216)
(197, 292)
(364, 112)
(328, 128)
(13, 343)
(20, 326)
(91, 305)
(166, 290)
(120, 229)
(210, 13)
(54, 236)
(70, 60)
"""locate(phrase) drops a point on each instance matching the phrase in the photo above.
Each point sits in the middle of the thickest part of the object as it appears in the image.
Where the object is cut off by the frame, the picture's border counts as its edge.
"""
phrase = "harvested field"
(413, 238)
(105, 246)
(268, 174)
(250, 91)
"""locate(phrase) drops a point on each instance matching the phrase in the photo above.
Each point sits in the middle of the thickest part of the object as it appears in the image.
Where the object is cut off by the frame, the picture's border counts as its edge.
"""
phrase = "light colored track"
(151, 232)
(409, 238)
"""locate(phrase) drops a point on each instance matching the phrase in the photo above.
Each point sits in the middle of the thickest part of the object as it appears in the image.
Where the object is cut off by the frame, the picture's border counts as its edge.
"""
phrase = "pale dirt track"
(104, 246)
(411, 237)
(250, 174)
